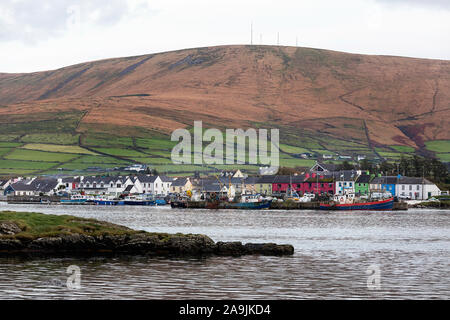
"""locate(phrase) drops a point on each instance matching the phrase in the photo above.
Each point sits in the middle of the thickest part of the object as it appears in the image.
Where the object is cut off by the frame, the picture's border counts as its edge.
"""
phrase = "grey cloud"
(32, 21)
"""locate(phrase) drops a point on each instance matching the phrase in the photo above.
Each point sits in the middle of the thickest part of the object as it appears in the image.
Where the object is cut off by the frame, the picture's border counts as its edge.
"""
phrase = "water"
(333, 251)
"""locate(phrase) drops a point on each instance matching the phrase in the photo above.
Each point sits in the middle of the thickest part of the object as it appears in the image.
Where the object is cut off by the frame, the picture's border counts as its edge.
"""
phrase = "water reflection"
(333, 252)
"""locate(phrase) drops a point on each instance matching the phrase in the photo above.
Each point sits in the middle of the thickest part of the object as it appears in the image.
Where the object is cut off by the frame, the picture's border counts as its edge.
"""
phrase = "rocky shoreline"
(122, 240)
(145, 244)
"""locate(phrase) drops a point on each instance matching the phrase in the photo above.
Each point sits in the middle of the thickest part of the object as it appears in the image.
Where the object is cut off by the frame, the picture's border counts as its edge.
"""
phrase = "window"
(350, 184)
(340, 184)
(403, 187)
(410, 188)
(418, 187)
(112, 184)
(321, 185)
(119, 185)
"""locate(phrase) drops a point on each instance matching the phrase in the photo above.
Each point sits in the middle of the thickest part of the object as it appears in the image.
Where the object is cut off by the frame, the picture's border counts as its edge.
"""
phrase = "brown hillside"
(372, 100)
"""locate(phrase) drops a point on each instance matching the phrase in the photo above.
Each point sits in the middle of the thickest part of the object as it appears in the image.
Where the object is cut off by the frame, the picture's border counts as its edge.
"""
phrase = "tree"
(346, 166)
(365, 165)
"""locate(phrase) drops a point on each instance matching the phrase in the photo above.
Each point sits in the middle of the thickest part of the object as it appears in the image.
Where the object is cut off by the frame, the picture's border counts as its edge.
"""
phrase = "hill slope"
(321, 100)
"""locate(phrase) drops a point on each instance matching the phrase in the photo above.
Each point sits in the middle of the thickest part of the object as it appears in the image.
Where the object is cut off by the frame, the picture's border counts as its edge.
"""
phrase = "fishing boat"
(75, 199)
(106, 202)
(265, 204)
(351, 202)
(135, 201)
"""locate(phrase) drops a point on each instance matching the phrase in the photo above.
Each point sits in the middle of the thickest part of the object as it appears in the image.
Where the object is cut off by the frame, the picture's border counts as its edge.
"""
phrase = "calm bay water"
(333, 251)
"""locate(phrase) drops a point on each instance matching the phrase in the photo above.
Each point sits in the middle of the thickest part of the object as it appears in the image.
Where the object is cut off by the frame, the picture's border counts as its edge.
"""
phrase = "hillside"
(322, 101)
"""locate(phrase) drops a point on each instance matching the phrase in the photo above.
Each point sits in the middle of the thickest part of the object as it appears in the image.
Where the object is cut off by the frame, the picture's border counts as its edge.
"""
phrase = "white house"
(157, 185)
(345, 181)
(416, 188)
(104, 185)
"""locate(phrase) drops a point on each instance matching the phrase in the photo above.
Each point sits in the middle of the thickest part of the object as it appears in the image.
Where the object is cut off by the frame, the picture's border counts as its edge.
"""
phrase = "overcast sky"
(49, 34)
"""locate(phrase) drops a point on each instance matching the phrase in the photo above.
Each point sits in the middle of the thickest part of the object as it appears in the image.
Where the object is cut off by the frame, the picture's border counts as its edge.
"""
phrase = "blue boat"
(160, 202)
(139, 202)
(76, 199)
(386, 204)
(73, 201)
(103, 202)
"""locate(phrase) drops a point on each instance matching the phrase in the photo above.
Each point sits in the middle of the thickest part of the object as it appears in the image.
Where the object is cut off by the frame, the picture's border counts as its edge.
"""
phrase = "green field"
(57, 148)
(125, 153)
(4, 151)
(440, 146)
(30, 165)
(445, 157)
(31, 155)
(53, 138)
(9, 144)
(405, 149)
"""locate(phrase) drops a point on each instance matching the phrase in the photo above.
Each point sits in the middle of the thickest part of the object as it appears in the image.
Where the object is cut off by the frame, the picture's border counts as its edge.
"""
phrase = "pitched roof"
(289, 179)
(266, 179)
(413, 180)
(146, 178)
(364, 178)
(180, 182)
(166, 178)
(384, 180)
(325, 166)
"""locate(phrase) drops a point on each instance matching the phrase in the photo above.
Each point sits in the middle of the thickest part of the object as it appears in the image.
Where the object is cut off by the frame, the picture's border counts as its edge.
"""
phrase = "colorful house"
(318, 183)
(284, 184)
(384, 183)
(362, 184)
(264, 185)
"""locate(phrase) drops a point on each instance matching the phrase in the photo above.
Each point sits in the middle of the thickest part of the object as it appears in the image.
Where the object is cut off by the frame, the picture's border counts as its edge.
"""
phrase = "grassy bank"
(36, 233)
(38, 225)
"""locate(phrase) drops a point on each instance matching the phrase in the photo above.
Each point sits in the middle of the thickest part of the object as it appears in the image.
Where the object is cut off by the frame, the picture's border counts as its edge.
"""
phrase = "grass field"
(4, 151)
(57, 148)
(126, 153)
(31, 155)
(29, 165)
(53, 138)
(440, 146)
(404, 149)
(444, 157)
(9, 144)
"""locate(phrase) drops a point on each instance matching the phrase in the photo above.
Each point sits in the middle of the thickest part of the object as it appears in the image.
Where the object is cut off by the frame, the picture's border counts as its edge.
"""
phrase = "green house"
(362, 183)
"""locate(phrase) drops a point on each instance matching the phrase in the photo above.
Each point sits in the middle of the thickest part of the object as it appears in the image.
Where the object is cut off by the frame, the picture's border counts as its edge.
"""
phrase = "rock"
(230, 248)
(148, 244)
(269, 249)
(9, 228)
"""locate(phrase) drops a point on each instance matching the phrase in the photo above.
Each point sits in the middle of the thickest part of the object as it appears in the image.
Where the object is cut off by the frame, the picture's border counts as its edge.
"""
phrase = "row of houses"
(320, 179)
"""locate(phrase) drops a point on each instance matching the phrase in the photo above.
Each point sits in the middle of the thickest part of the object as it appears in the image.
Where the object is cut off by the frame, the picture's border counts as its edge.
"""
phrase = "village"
(321, 180)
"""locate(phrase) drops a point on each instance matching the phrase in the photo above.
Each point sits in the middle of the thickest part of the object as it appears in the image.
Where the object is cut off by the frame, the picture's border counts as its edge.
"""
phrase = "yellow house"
(181, 185)
(264, 185)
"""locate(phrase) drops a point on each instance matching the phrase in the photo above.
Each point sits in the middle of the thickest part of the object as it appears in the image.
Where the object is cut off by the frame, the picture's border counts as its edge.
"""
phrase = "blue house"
(386, 183)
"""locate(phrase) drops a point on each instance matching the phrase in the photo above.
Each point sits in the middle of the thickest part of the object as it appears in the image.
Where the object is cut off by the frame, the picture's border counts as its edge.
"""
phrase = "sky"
(50, 34)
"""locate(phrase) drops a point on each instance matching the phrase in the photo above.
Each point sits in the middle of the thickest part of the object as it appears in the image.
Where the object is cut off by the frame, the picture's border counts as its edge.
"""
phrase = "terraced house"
(362, 184)
(264, 185)
(384, 183)
(34, 187)
(104, 185)
(416, 188)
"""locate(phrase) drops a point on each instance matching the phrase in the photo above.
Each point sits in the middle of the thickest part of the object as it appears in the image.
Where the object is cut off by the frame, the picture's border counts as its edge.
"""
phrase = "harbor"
(333, 247)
